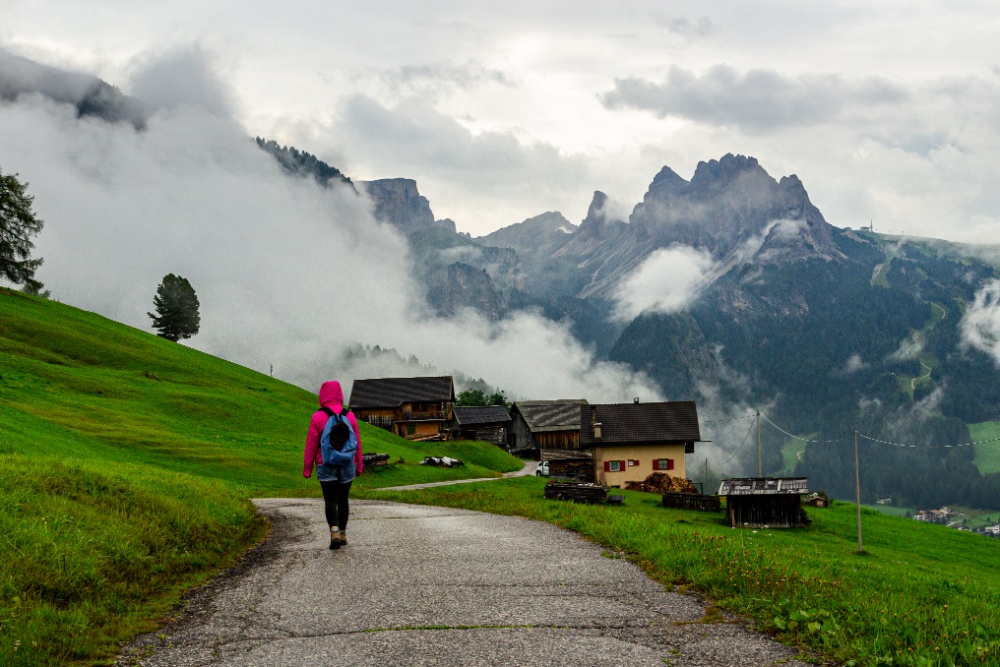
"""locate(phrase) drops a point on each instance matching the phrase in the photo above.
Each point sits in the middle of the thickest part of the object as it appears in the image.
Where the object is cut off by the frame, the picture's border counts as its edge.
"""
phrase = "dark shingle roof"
(472, 415)
(763, 486)
(566, 455)
(640, 423)
(548, 416)
(390, 392)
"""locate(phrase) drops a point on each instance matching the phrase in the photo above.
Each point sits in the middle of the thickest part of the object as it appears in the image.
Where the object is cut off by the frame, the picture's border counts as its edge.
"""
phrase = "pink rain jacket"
(330, 396)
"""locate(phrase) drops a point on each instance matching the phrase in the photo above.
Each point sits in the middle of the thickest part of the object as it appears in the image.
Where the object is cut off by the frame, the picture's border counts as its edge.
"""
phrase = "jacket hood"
(330, 394)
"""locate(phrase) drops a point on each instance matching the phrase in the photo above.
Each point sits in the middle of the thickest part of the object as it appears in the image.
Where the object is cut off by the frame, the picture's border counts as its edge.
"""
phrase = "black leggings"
(335, 499)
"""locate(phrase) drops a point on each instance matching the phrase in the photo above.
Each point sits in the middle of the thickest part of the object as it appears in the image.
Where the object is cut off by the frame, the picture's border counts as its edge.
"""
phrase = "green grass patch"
(791, 453)
(987, 455)
(126, 467)
(920, 595)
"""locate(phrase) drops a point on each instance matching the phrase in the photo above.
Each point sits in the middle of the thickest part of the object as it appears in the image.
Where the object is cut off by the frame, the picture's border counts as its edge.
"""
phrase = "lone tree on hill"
(17, 225)
(176, 306)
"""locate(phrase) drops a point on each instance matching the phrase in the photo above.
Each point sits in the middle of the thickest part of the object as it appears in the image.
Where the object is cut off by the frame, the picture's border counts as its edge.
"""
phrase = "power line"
(740, 447)
(880, 441)
(729, 419)
(900, 444)
(798, 437)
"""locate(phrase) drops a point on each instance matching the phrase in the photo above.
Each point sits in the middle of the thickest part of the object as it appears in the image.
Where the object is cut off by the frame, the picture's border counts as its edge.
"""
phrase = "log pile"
(660, 482)
(375, 459)
(579, 492)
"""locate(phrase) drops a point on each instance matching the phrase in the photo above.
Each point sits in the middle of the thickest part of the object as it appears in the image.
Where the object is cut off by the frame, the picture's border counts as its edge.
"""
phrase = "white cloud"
(667, 281)
(755, 100)
(980, 326)
(287, 273)
(854, 364)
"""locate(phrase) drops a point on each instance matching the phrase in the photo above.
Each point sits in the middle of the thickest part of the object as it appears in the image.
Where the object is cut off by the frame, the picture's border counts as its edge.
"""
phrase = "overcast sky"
(887, 111)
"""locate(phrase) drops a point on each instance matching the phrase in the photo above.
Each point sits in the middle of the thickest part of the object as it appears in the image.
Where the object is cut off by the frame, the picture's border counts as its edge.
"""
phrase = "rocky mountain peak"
(397, 201)
(725, 170)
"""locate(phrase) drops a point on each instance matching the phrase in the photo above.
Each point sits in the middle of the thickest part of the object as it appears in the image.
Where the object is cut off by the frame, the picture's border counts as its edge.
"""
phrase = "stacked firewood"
(580, 492)
(375, 459)
(660, 482)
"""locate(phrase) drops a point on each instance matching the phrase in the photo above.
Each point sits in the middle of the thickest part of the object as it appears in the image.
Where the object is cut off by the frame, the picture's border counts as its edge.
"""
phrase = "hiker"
(334, 479)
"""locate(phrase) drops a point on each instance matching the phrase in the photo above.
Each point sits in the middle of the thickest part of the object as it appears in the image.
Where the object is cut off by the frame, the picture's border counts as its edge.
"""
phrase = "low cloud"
(980, 326)
(853, 364)
(756, 100)
(191, 194)
(666, 282)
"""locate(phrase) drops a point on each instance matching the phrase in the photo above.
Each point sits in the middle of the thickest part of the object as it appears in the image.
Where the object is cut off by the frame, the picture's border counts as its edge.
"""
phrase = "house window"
(633, 462)
(663, 464)
(411, 429)
(614, 466)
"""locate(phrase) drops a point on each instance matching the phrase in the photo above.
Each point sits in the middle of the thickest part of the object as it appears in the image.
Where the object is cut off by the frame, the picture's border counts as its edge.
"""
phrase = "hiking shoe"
(334, 539)
(343, 537)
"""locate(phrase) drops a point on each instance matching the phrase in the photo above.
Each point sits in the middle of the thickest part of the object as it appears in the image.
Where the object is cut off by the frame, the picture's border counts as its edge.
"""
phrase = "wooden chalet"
(764, 502)
(490, 423)
(630, 441)
(544, 425)
(416, 408)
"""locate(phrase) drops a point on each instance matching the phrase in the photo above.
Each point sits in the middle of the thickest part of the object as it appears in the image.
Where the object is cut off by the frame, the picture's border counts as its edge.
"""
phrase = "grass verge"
(919, 595)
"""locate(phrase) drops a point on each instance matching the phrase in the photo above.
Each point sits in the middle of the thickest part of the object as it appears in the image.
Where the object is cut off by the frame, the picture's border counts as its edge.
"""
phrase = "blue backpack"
(338, 441)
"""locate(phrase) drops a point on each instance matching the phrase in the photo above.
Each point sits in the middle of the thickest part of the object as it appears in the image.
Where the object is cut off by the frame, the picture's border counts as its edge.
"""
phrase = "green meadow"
(919, 594)
(127, 463)
(126, 467)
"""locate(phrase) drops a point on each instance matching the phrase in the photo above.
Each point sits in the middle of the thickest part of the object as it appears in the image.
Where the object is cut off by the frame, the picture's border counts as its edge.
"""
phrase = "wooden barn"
(416, 408)
(490, 423)
(540, 425)
(630, 441)
(759, 502)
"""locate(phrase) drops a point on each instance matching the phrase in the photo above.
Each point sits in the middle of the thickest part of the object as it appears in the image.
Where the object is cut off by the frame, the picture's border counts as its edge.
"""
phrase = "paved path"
(528, 469)
(434, 586)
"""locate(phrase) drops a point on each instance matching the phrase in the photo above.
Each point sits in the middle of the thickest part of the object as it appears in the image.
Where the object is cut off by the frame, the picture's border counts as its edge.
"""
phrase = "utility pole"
(857, 488)
(760, 472)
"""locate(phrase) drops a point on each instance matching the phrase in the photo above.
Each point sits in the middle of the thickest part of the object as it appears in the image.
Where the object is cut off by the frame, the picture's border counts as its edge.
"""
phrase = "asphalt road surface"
(435, 586)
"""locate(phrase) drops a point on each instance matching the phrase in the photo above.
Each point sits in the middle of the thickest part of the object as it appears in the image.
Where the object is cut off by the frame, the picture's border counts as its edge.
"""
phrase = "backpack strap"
(343, 411)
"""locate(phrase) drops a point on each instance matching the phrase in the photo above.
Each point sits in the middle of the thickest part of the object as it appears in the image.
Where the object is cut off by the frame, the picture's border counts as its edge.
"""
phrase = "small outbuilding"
(489, 423)
(576, 464)
(765, 502)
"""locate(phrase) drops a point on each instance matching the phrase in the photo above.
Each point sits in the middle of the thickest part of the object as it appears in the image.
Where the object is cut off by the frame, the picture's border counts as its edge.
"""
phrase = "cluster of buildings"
(608, 443)
(948, 517)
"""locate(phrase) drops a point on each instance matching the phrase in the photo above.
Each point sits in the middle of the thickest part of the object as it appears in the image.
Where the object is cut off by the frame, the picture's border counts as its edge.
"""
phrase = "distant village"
(615, 445)
(953, 519)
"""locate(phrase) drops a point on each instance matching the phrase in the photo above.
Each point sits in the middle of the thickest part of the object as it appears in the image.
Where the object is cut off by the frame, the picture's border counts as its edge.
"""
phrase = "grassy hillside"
(126, 464)
(987, 455)
(920, 595)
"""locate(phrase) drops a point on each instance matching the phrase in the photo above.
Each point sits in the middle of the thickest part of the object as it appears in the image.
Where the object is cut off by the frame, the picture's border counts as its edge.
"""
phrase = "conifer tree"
(18, 224)
(177, 307)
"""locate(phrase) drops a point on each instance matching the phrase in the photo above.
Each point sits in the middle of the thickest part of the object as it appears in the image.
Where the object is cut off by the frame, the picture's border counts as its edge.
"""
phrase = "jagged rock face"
(397, 201)
(541, 234)
(733, 206)
(459, 285)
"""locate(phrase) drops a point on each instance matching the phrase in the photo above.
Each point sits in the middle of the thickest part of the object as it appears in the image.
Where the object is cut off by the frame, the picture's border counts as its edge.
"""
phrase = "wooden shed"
(489, 423)
(576, 464)
(764, 502)
(539, 425)
(416, 408)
